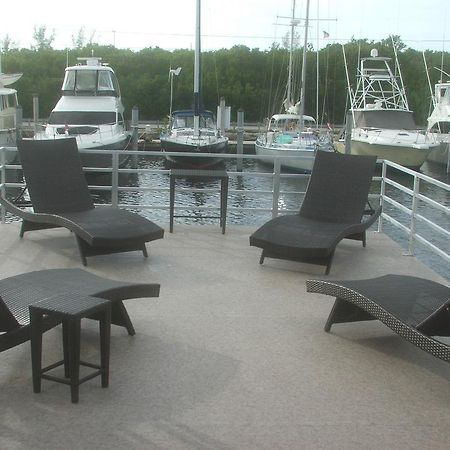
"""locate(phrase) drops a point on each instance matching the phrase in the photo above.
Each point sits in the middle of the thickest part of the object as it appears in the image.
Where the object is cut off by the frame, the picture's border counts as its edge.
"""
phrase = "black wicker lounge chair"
(413, 307)
(60, 198)
(17, 293)
(333, 209)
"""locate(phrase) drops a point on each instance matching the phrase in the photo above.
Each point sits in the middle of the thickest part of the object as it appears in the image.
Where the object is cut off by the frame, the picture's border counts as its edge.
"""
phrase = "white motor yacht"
(91, 110)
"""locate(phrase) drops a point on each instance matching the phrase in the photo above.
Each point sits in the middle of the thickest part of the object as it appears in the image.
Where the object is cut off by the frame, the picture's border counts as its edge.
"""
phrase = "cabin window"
(82, 118)
(86, 80)
(104, 81)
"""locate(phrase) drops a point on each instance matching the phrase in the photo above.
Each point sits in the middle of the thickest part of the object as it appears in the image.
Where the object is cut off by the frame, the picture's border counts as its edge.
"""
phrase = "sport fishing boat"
(91, 110)
(382, 123)
(194, 130)
(439, 121)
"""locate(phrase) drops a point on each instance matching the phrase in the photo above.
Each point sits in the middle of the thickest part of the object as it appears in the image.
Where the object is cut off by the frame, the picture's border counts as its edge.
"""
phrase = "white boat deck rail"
(415, 206)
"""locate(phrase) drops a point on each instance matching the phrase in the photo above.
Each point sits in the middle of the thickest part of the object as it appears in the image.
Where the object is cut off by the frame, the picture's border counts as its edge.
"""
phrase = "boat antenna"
(428, 78)
(302, 88)
(349, 87)
(397, 65)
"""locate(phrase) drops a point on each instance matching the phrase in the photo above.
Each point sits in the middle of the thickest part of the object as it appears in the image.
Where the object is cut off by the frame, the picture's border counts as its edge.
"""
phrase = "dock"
(232, 355)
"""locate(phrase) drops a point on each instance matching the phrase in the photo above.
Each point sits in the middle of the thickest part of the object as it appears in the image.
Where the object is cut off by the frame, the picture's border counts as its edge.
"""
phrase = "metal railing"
(415, 205)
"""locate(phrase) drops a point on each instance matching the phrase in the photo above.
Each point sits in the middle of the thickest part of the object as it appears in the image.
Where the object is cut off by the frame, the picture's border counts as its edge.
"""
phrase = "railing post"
(240, 139)
(115, 180)
(412, 233)
(3, 179)
(382, 193)
(276, 186)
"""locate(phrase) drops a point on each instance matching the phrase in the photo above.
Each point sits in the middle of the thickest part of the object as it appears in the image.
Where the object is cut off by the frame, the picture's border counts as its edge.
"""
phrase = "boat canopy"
(283, 122)
(185, 119)
(384, 118)
(88, 80)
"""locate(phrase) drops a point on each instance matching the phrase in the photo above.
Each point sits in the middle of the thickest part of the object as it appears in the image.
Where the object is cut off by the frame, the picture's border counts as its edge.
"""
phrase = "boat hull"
(299, 160)
(199, 160)
(440, 154)
(96, 159)
(406, 156)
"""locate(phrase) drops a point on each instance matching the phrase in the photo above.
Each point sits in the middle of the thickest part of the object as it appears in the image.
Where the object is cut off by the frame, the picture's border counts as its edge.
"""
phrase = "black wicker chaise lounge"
(414, 308)
(18, 292)
(333, 209)
(60, 198)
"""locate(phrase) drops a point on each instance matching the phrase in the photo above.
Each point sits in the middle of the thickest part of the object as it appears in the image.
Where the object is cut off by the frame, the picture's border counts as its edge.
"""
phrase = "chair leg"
(121, 318)
(330, 260)
(80, 250)
(261, 259)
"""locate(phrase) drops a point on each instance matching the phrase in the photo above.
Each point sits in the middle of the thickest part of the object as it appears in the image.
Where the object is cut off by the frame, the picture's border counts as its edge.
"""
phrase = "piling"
(348, 134)
(19, 122)
(35, 112)
(134, 135)
(240, 139)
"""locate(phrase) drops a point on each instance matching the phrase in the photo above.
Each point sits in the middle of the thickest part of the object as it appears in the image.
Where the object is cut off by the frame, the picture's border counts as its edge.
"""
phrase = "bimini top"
(93, 79)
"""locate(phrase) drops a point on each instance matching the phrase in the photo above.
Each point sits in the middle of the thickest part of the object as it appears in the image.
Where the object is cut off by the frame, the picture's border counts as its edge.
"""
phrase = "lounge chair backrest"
(54, 175)
(338, 187)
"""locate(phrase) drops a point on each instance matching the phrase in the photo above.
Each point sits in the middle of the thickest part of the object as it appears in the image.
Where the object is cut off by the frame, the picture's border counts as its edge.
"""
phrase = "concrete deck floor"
(232, 355)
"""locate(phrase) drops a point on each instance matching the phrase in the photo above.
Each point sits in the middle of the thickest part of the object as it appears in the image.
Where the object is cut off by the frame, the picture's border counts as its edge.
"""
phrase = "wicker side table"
(70, 308)
(221, 175)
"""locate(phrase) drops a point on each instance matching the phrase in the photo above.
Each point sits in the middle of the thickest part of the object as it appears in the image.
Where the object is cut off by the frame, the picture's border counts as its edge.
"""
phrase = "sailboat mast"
(302, 88)
(197, 71)
(291, 50)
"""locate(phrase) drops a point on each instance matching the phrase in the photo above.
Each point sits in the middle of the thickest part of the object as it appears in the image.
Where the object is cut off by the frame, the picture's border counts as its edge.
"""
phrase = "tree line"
(253, 80)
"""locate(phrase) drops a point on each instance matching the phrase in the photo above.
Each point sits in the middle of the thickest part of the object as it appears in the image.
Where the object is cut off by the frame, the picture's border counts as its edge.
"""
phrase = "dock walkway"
(232, 355)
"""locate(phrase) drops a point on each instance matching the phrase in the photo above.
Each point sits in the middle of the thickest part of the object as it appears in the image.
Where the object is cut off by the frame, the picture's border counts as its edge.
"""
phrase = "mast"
(302, 88)
(197, 71)
(291, 50)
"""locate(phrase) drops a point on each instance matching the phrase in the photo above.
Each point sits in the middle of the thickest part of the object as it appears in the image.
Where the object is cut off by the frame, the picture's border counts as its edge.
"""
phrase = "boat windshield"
(290, 124)
(90, 82)
(187, 121)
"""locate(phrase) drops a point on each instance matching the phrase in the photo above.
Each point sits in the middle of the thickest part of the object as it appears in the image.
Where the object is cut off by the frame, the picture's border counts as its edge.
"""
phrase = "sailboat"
(382, 123)
(194, 130)
(8, 111)
(293, 133)
(439, 121)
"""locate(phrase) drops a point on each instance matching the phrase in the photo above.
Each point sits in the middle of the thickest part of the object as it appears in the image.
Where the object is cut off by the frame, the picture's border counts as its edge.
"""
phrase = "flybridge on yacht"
(91, 110)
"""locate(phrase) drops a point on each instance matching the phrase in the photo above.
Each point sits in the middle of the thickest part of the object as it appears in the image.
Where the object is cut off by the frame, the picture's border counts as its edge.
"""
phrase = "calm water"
(290, 199)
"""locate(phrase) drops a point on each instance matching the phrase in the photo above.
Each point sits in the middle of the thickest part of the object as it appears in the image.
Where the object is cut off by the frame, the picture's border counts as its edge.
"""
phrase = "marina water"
(250, 199)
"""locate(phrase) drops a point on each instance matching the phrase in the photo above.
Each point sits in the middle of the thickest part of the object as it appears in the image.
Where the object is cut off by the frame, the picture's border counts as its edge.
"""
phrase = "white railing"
(415, 206)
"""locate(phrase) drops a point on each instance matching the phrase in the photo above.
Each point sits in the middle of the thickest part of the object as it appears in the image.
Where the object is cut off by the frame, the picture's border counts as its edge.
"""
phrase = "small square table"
(70, 308)
(221, 175)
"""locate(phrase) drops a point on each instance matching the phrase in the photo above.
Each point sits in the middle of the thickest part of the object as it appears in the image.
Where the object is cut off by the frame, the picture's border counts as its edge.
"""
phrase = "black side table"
(70, 308)
(221, 175)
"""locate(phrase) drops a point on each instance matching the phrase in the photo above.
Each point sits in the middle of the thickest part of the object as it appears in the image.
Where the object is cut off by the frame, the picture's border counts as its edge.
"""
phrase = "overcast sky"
(170, 24)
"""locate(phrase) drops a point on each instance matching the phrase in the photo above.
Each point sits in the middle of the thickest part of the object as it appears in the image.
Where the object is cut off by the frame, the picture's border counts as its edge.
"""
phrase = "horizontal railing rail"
(417, 212)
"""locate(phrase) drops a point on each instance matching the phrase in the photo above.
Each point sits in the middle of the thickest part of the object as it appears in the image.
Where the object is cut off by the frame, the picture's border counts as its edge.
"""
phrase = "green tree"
(42, 41)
